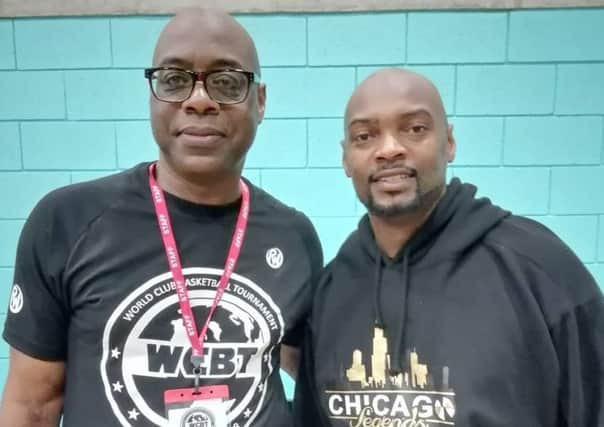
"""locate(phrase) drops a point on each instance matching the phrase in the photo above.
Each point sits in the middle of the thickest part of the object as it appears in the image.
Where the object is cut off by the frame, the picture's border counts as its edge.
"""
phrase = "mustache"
(400, 169)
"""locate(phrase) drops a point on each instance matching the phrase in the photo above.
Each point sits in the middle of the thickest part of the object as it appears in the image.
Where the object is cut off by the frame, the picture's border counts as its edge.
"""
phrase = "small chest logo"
(16, 299)
(274, 258)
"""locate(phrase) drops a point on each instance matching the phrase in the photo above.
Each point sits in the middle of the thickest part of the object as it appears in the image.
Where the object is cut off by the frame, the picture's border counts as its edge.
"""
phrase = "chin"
(388, 207)
(393, 211)
(200, 165)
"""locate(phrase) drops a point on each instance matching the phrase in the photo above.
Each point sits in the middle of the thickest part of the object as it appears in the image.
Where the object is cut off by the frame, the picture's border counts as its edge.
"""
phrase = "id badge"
(206, 408)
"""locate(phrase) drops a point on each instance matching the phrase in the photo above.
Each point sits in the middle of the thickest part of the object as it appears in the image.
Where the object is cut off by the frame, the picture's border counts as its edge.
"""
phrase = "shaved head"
(211, 25)
(397, 82)
(397, 143)
(202, 139)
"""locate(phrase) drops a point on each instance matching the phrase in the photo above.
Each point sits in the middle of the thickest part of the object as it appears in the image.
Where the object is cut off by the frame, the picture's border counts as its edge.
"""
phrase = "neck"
(393, 233)
(200, 189)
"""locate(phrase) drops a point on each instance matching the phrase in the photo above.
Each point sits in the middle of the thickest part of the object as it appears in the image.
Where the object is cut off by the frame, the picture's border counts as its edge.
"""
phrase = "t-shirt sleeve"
(37, 321)
(314, 253)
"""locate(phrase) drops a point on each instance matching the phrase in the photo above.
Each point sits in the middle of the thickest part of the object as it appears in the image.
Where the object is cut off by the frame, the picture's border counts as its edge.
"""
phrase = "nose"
(390, 148)
(200, 102)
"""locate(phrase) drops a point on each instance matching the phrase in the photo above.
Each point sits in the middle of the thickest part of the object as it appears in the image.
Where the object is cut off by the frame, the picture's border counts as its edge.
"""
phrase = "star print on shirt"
(117, 387)
(115, 353)
(133, 415)
(260, 388)
(247, 413)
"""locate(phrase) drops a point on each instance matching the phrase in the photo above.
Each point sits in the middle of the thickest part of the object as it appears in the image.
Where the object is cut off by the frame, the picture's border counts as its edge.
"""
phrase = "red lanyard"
(163, 220)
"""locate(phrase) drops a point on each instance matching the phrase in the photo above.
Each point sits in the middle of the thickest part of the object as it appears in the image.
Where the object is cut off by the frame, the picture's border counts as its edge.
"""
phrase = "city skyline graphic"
(418, 376)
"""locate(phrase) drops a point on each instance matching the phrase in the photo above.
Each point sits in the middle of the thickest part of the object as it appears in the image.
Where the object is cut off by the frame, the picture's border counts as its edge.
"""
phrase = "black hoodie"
(483, 319)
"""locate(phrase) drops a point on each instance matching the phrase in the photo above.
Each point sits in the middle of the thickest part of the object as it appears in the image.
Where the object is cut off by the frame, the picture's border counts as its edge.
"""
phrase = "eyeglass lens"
(221, 86)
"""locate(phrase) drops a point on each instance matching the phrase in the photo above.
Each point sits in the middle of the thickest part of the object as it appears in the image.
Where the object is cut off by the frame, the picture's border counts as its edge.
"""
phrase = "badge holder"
(198, 406)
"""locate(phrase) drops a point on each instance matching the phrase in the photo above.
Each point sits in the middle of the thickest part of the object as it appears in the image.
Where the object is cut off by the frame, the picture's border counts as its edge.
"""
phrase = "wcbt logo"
(198, 418)
(146, 349)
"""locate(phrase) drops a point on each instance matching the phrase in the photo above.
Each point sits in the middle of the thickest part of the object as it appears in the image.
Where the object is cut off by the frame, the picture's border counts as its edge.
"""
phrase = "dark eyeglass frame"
(202, 77)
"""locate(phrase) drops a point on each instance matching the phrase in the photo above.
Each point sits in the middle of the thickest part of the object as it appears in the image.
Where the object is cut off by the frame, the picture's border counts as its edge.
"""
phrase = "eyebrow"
(361, 122)
(226, 63)
(218, 63)
(174, 61)
(417, 112)
(405, 115)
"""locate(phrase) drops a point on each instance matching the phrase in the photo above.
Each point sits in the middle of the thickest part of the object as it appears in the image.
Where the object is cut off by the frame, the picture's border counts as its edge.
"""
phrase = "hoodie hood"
(458, 222)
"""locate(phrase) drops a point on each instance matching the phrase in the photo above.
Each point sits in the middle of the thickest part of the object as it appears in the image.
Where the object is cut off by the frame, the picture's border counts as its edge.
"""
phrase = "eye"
(417, 129)
(361, 137)
(226, 81)
(175, 79)
(223, 80)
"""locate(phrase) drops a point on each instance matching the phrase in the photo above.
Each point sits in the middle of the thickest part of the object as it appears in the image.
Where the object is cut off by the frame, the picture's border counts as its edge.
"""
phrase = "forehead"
(200, 42)
(384, 97)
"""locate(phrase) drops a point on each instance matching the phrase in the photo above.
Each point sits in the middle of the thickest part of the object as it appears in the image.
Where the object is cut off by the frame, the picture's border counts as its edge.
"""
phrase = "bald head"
(205, 137)
(397, 145)
(210, 29)
(387, 84)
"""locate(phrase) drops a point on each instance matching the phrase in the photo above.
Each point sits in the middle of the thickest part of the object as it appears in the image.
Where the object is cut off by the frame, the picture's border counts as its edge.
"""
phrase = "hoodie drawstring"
(377, 280)
(398, 353)
(396, 333)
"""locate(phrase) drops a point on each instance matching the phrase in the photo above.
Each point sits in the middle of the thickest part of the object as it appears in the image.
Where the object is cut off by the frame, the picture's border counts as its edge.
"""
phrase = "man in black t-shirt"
(98, 321)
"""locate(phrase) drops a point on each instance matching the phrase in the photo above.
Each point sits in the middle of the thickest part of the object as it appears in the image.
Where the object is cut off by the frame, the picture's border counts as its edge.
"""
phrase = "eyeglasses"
(226, 86)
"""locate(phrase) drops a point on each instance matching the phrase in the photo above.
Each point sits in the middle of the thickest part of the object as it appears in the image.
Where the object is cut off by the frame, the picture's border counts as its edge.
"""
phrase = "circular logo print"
(146, 349)
(274, 258)
(16, 299)
(197, 418)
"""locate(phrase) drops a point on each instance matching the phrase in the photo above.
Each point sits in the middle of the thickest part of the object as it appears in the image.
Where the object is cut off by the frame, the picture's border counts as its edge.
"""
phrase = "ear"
(261, 101)
(451, 144)
(345, 158)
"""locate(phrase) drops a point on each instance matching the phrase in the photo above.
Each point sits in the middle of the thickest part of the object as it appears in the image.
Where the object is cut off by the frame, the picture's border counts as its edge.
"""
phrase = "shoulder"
(557, 271)
(68, 210)
(263, 202)
(348, 260)
(282, 214)
(532, 241)
(284, 217)
(101, 189)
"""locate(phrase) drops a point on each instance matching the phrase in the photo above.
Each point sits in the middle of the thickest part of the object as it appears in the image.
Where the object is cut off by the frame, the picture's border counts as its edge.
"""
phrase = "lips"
(201, 136)
(200, 131)
(392, 174)
(393, 180)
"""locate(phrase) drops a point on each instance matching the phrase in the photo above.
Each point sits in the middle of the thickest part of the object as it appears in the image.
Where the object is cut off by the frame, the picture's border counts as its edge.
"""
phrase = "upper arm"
(37, 318)
(313, 253)
(33, 394)
(579, 341)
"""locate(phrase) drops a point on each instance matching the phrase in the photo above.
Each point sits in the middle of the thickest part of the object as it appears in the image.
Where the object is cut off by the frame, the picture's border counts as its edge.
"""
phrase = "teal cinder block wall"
(524, 90)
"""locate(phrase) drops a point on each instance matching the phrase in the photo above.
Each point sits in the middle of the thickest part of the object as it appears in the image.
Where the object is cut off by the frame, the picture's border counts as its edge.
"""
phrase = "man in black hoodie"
(442, 309)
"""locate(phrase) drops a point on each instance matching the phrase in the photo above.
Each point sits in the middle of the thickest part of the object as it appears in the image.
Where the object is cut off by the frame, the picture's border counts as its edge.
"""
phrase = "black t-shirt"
(93, 288)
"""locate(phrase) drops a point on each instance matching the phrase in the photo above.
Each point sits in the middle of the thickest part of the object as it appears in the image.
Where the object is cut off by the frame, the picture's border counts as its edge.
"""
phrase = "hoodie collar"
(458, 221)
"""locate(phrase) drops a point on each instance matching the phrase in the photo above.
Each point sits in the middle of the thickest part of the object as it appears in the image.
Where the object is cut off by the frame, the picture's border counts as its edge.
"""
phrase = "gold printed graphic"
(380, 366)
(418, 397)
(357, 371)
(419, 372)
